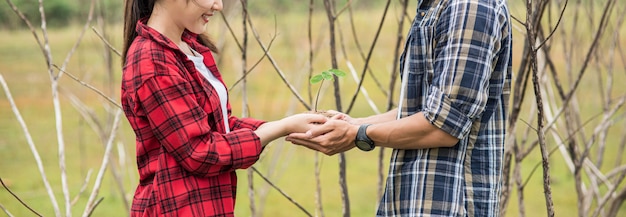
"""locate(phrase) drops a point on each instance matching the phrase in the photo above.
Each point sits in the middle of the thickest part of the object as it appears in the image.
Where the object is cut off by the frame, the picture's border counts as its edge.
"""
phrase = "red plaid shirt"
(186, 159)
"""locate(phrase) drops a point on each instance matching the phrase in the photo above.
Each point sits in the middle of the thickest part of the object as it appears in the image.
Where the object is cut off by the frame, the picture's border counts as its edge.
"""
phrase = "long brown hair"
(137, 9)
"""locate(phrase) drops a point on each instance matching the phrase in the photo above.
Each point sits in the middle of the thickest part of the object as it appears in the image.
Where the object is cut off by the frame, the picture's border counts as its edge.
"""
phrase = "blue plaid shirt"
(459, 75)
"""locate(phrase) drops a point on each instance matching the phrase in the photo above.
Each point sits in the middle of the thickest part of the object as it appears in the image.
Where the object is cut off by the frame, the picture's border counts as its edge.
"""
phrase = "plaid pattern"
(186, 159)
(459, 77)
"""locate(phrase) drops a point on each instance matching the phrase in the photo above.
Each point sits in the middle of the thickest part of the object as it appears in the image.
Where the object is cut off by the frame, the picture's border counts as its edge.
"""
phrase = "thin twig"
(606, 15)
(31, 145)
(90, 206)
(319, 211)
(555, 27)
(369, 100)
(244, 98)
(531, 32)
(18, 199)
(343, 183)
(269, 46)
(355, 37)
(106, 42)
(232, 32)
(281, 192)
(570, 137)
(82, 188)
(4, 209)
(78, 40)
(369, 56)
(90, 87)
(27, 22)
(95, 205)
(396, 57)
(275, 64)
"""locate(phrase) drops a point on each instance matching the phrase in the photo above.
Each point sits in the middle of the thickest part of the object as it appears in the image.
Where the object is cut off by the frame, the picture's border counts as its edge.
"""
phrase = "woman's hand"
(298, 123)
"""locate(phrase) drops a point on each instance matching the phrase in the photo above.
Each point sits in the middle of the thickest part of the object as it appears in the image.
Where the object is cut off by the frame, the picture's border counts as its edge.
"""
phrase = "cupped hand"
(300, 123)
(341, 116)
(332, 137)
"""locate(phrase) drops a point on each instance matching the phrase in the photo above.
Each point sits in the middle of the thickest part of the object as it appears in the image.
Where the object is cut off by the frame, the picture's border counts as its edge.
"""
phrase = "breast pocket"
(427, 45)
(420, 66)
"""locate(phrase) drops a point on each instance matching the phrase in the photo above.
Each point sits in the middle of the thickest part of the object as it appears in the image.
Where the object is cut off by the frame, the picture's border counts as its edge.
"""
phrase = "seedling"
(325, 75)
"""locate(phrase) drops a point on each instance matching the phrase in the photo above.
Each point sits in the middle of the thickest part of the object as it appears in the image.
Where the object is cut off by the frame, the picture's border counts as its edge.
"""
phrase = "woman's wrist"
(282, 126)
(270, 131)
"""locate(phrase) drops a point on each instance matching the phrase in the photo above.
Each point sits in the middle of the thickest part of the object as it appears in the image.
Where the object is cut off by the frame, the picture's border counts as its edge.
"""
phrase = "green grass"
(22, 65)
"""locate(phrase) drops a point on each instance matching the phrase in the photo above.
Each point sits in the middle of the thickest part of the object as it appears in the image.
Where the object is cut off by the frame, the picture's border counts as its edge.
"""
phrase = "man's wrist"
(357, 121)
(353, 131)
(362, 141)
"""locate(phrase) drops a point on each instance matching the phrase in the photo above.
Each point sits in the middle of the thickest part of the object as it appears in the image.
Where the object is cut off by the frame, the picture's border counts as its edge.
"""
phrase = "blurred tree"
(58, 13)
(273, 7)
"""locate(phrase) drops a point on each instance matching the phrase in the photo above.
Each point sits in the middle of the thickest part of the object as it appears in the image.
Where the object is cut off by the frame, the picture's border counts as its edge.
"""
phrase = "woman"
(188, 145)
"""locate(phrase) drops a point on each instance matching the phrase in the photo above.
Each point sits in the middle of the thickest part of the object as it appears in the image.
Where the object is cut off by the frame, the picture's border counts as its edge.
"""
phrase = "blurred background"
(577, 65)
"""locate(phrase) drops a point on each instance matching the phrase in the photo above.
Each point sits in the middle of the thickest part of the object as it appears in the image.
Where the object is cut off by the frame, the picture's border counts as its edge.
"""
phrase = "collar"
(190, 38)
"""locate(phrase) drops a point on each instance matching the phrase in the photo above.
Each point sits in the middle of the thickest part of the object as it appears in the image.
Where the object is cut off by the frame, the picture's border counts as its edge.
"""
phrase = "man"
(448, 136)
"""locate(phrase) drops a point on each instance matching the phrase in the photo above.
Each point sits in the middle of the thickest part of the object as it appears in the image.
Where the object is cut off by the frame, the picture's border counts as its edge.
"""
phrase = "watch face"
(364, 145)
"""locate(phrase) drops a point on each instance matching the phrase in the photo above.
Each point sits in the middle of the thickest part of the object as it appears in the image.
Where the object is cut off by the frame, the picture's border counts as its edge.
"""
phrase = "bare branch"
(281, 192)
(4, 209)
(90, 206)
(79, 40)
(555, 27)
(269, 46)
(27, 22)
(369, 100)
(18, 199)
(369, 56)
(90, 87)
(355, 37)
(230, 29)
(396, 57)
(343, 183)
(82, 188)
(275, 64)
(31, 145)
(106, 42)
(608, 9)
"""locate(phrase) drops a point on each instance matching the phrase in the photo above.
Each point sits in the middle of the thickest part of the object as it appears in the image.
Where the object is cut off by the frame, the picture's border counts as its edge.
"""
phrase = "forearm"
(376, 119)
(270, 131)
(413, 132)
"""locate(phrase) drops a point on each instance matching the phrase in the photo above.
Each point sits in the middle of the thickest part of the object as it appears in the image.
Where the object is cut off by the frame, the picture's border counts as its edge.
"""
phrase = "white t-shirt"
(198, 61)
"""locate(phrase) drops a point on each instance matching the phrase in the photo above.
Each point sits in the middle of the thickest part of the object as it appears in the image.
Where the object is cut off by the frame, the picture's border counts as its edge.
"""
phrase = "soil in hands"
(323, 112)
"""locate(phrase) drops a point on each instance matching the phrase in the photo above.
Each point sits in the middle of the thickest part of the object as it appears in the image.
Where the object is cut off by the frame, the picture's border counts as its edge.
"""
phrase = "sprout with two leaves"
(325, 75)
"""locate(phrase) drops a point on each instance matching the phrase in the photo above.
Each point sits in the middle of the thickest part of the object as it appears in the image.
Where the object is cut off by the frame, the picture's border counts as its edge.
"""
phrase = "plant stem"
(317, 97)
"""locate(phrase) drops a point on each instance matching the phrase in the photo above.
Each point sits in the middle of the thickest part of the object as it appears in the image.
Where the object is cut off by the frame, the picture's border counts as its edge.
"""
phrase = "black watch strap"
(363, 141)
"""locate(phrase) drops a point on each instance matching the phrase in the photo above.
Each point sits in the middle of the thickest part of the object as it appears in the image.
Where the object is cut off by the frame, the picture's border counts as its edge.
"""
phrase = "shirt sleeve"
(465, 47)
(244, 123)
(181, 126)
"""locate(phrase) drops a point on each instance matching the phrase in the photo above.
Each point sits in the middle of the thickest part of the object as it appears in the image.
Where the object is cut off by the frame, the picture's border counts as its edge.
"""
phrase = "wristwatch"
(362, 141)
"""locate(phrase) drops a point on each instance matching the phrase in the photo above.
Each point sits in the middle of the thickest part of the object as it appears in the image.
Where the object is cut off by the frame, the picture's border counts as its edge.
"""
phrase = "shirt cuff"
(240, 123)
(440, 112)
(245, 148)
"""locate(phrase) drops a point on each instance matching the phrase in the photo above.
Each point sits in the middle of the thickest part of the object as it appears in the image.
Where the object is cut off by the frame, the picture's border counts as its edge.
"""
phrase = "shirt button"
(422, 14)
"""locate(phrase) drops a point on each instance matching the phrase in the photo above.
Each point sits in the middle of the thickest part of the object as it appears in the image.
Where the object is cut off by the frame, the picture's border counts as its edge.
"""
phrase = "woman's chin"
(198, 29)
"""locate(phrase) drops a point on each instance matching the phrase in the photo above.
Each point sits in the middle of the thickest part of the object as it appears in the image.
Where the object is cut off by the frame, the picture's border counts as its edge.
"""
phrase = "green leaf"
(317, 78)
(327, 75)
(337, 72)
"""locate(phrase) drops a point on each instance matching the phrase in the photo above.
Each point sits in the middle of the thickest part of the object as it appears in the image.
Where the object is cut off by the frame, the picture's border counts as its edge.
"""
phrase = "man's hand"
(341, 116)
(334, 136)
